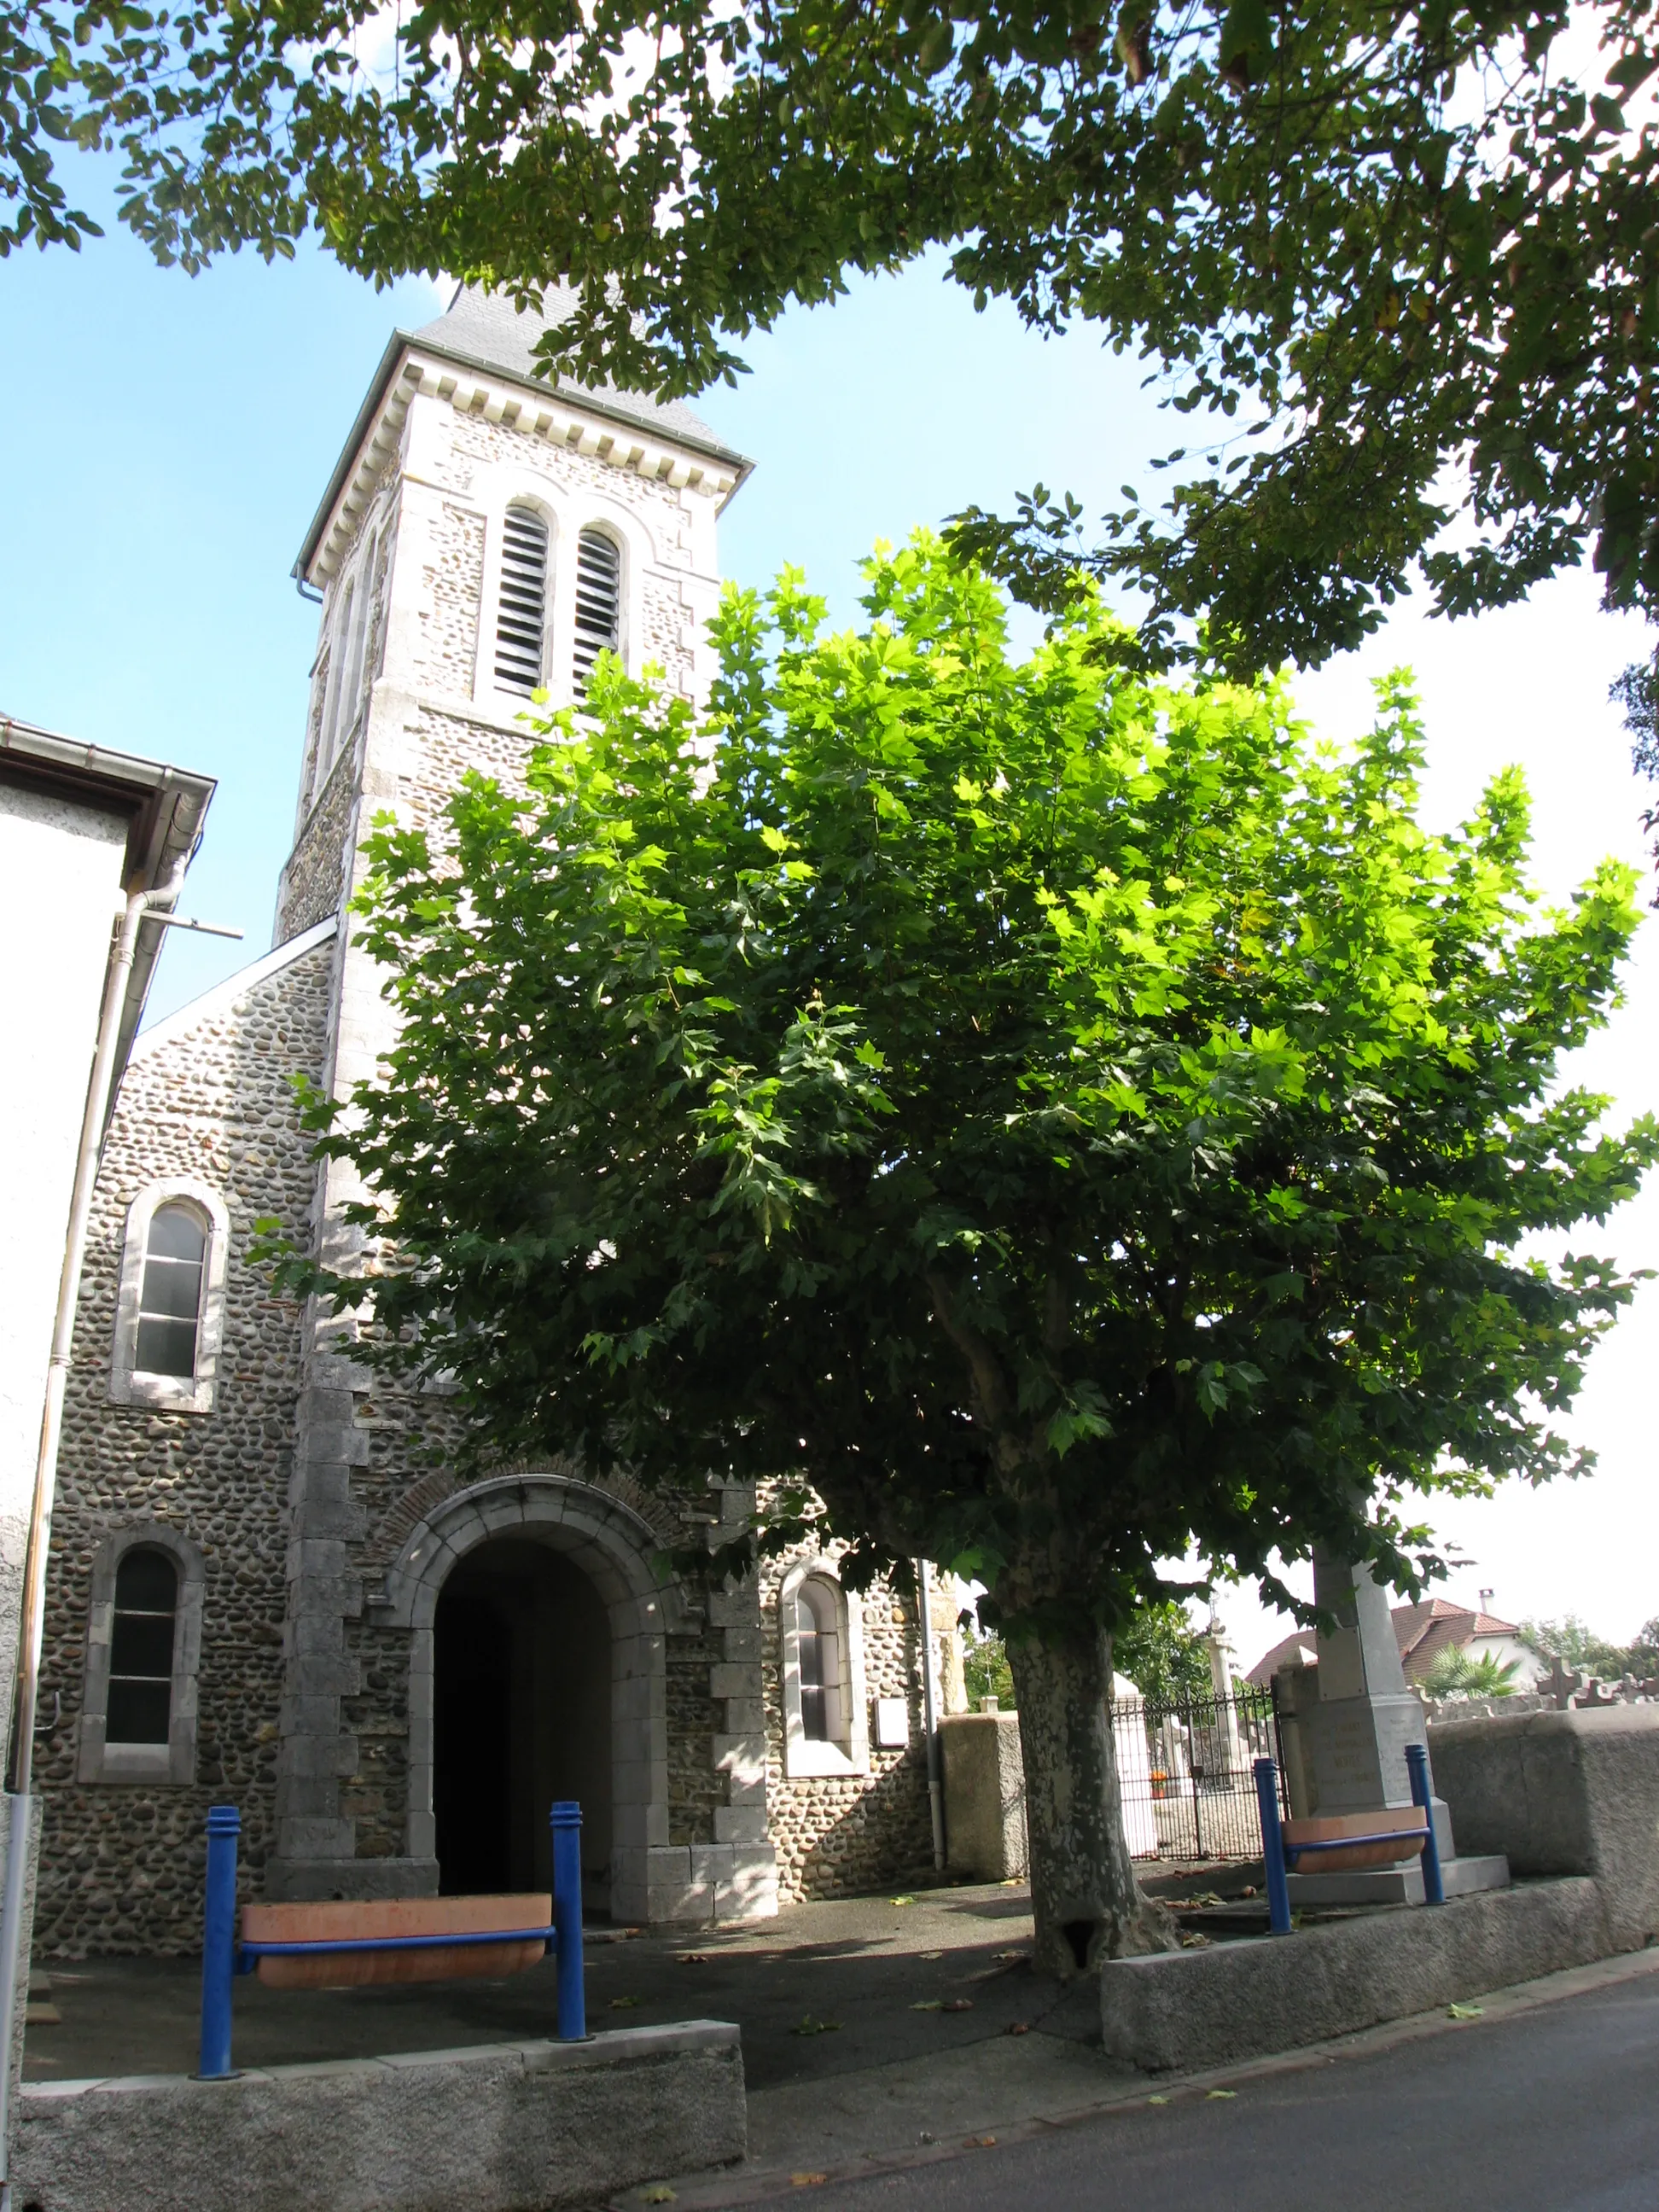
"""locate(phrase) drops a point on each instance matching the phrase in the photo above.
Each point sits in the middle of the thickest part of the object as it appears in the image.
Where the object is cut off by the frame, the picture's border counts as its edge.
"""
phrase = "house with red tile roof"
(1423, 1632)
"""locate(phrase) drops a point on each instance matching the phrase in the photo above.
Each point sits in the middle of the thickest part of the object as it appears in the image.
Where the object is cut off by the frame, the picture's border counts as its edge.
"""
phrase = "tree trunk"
(1084, 1897)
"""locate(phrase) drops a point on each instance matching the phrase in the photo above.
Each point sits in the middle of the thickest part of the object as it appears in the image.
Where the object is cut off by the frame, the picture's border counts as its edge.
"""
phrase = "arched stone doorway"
(516, 1593)
(520, 1716)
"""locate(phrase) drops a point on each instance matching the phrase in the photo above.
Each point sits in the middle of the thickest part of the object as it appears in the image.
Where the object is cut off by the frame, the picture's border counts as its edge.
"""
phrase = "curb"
(707, 2193)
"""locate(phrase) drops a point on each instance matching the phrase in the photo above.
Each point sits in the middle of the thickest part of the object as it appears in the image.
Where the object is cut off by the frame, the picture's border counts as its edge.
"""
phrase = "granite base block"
(1203, 2008)
(501, 2128)
(1401, 1884)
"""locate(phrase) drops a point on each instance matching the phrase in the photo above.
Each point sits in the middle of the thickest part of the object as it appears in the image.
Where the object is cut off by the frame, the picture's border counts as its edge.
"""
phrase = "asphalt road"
(1555, 2109)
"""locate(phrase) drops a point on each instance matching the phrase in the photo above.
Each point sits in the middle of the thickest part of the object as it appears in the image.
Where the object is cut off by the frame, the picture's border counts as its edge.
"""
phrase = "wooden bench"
(344, 1943)
(1343, 1843)
(1386, 1838)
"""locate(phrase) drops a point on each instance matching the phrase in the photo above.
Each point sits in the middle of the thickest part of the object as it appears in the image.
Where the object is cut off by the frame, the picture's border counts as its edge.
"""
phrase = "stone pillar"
(984, 1794)
(315, 1756)
(738, 1873)
(315, 1854)
(1227, 1738)
(1357, 1733)
(1297, 1690)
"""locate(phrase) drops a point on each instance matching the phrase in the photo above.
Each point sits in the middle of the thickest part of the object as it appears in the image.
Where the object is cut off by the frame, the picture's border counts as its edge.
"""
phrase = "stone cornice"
(583, 425)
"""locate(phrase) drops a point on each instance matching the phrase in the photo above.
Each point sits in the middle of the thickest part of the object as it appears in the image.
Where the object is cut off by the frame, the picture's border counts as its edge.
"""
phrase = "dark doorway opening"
(521, 1715)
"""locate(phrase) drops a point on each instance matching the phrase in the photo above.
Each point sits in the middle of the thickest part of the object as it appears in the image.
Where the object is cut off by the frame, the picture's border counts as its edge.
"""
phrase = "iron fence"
(1186, 1773)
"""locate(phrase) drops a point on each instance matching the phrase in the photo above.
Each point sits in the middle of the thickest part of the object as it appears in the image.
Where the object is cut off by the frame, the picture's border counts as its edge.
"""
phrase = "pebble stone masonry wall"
(836, 1835)
(120, 1865)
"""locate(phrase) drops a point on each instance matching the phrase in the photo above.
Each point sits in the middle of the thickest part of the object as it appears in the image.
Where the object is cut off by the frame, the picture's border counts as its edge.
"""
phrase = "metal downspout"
(930, 1716)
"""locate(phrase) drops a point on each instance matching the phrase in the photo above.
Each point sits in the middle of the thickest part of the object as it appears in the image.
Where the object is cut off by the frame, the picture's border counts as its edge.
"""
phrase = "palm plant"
(1458, 1673)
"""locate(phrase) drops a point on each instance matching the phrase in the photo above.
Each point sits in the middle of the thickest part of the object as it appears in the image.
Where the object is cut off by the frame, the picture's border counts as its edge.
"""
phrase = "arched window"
(818, 1642)
(138, 1701)
(825, 1729)
(521, 611)
(598, 604)
(169, 1314)
(140, 1707)
(170, 1302)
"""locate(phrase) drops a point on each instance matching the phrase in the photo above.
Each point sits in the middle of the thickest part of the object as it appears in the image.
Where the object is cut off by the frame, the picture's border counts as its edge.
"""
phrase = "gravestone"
(1234, 1752)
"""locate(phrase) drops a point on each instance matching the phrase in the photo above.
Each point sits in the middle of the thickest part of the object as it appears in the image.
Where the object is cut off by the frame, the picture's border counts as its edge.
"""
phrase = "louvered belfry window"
(521, 617)
(598, 604)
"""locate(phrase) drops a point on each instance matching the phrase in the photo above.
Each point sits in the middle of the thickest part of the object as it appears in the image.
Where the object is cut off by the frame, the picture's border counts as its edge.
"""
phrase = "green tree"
(1636, 690)
(1458, 1673)
(985, 1669)
(1411, 247)
(1157, 1647)
(1163, 1655)
(1575, 1644)
(1040, 1119)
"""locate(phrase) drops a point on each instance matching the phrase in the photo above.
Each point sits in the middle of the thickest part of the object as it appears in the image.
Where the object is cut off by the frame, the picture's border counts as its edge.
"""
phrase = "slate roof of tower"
(481, 329)
(486, 330)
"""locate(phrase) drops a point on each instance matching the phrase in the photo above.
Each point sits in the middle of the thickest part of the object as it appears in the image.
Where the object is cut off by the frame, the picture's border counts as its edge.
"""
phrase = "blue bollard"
(567, 1823)
(1272, 1847)
(1417, 1759)
(224, 1825)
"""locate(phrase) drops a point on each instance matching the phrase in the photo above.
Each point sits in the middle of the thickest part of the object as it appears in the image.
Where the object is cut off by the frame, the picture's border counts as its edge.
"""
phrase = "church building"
(265, 1589)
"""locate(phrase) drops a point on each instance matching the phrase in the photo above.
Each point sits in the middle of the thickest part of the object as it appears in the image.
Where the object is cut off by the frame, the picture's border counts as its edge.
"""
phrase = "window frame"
(129, 1385)
(848, 1753)
(568, 511)
(171, 1763)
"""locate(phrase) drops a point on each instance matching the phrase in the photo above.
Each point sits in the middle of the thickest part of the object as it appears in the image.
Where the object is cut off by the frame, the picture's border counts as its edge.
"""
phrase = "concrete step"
(1402, 1885)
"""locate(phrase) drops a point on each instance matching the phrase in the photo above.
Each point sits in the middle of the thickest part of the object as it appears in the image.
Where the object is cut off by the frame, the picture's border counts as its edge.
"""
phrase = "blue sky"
(171, 436)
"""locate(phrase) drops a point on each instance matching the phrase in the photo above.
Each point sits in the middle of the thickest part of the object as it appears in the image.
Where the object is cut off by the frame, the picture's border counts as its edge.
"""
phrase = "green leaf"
(1247, 31)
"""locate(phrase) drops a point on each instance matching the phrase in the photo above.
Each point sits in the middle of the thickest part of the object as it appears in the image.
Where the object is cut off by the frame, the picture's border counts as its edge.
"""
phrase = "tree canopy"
(1577, 1645)
(1035, 1117)
(1402, 263)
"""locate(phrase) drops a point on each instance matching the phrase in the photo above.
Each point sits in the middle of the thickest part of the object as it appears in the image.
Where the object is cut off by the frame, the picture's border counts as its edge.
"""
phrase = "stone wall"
(502, 2127)
(839, 1835)
(1573, 1793)
(121, 1864)
(314, 880)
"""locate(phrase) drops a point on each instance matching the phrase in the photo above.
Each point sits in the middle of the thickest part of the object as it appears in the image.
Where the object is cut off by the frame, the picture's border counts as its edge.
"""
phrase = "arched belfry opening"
(522, 1716)
(536, 1616)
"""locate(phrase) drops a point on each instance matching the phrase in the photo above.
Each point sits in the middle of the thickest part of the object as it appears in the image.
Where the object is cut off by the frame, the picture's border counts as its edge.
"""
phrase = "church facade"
(265, 1588)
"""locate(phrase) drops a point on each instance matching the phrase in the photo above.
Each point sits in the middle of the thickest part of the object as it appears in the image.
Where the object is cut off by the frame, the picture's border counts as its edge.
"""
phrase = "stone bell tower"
(485, 533)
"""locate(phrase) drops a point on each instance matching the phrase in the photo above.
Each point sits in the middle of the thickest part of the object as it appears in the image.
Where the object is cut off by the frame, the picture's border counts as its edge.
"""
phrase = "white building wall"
(1530, 1667)
(60, 863)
